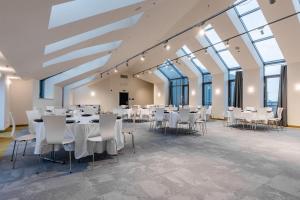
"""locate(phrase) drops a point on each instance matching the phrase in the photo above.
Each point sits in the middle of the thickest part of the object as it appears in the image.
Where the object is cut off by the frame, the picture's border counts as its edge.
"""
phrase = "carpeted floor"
(5, 140)
(227, 163)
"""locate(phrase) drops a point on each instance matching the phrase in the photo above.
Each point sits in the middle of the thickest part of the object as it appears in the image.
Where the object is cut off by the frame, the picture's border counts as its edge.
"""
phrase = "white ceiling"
(24, 34)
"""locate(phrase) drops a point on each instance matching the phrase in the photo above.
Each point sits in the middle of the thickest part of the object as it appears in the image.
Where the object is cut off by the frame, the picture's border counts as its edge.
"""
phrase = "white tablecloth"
(80, 132)
(173, 118)
(253, 116)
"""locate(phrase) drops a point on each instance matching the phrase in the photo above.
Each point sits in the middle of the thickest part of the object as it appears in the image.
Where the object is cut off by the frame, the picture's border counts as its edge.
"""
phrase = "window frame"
(204, 83)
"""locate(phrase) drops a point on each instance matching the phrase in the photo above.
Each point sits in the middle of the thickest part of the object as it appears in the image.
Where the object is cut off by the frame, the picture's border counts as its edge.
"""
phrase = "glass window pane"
(207, 78)
(214, 38)
(246, 6)
(229, 59)
(272, 70)
(207, 98)
(269, 50)
(231, 92)
(256, 20)
(272, 92)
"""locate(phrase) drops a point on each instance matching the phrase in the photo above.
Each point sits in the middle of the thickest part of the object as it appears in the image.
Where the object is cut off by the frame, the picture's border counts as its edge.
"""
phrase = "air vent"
(124, 76)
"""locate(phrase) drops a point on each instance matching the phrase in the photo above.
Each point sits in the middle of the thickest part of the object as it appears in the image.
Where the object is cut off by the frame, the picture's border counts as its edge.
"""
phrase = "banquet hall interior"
(150, 99)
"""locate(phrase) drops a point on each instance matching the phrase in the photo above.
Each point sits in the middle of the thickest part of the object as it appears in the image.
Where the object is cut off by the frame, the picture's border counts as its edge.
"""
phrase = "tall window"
(271, 79)
(207, 90)
(179, 84)
(222, 51)
(179, 91)
(261, 36)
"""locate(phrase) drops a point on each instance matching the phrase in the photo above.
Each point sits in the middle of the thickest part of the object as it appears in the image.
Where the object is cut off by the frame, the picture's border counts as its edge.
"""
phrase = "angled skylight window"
(170, 71)
(193, 60)
(297, 7)
(76, 10)
(260, 34)
(48, 83)
(80, 83)
(84, 52)
(222, 51)
(67, 42)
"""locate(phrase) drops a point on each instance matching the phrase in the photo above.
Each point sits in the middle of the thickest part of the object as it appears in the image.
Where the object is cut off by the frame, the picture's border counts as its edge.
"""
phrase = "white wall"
(42, 103)
(195, 91)
(293, 94)
(253, 88)
(107, 92)
(4, 103)
(219, 95)
(161, 94)
(20, 99)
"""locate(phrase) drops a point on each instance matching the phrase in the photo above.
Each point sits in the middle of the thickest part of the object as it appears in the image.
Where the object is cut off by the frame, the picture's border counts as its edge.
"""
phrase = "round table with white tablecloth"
(173, 117)
(80, 132)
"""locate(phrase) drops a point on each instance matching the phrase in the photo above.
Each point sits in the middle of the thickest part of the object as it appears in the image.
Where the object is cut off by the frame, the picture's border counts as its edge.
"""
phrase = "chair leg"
(13, 153)
(70, 162)
(25, 148)
(14, 162)
(93, 160)
(132, 140)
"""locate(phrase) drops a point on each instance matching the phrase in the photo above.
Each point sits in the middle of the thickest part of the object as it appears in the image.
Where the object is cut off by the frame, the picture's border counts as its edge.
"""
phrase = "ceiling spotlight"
(116, 70)
(127, 63)
(142, 58)
(101, 75)
(201, 31)
(137, 75)
(167, 47)
(205, 51)
(227, 44)
(272, 1)
(262, 30)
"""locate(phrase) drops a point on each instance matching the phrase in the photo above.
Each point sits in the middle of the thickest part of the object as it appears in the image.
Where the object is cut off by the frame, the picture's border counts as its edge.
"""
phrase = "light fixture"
(150, 71)
(101, 75)
(167, 46)
(142, 57)
(193, 92)
(272, 1)
(93, 94)
(127, 63)
(8, 81)
(14, 77)
(7, 69)
(217, 91)
(201, 30)
(297, 87)
(251, 89)
(116, 70)
(227, 44)
(205, 51)
(137, 75)
(158, 94)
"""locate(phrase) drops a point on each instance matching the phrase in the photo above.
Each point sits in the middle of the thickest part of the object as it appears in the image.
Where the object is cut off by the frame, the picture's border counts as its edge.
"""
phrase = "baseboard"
(293, 126)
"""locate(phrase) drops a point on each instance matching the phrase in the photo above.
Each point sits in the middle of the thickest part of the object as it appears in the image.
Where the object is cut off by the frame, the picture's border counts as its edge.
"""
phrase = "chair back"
(107, 126)
(268, 109)
(184, 115)
(279, 113)
(13, 125)
(55, 126)
(50, 108)
(159, 114)
(32, 115)
(60, 111)
(208, 111)
(237, 112)
(248, 108)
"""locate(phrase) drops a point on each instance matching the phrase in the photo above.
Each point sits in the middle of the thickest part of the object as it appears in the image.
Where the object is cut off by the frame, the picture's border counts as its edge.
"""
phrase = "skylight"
(253, 20)
(67, 42)
(170, 71)
(84, 52)
(222, 51)
(76, 10)
(192, 59)
(80, 83)
(72, 73)
(297, 7)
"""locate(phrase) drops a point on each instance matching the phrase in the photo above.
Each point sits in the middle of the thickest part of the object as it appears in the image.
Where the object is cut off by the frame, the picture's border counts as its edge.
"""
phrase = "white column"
(219, 95)
(4, 103)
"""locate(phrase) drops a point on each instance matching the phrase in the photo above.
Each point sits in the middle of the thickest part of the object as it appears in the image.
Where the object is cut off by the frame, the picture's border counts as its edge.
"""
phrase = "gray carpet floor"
(227, 163)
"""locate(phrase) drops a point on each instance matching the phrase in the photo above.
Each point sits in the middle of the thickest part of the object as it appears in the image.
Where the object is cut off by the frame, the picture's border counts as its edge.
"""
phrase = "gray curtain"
(238, 90)
(282, 96)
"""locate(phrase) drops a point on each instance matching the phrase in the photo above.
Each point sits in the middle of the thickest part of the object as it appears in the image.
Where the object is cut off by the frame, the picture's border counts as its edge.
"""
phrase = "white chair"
(130, 130)
(201, 121)
(159, 118)
(59, 111)
(276, 120)
(31, 116)
(50, 108)
(55, 127)
(91, 110)
(184, 118)
(237, 116)
(249, 108)
(107, 126)
(17, 140)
